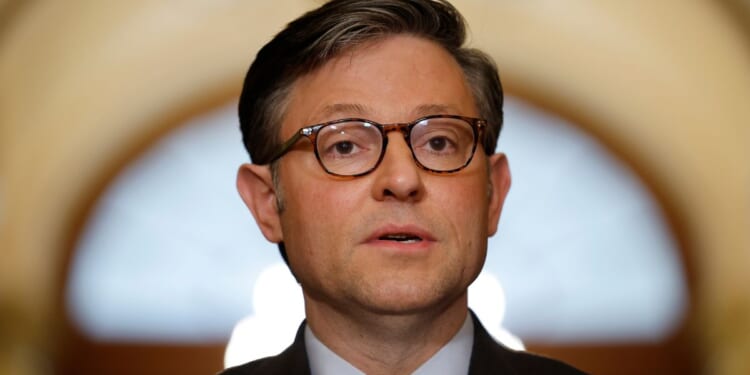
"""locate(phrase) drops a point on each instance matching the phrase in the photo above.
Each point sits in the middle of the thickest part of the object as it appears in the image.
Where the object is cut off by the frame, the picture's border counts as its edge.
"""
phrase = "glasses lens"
(443, 144)
(349, 148)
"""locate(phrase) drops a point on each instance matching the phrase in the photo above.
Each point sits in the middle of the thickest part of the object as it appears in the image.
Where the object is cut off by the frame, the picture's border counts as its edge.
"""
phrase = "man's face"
(399, 239)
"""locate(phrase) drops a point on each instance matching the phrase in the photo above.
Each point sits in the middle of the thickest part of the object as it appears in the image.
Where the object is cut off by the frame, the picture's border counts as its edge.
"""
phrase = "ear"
(499, 176)
(255, 185)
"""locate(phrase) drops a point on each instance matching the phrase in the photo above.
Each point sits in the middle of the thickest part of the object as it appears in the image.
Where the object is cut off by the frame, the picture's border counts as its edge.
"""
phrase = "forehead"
(396, 79)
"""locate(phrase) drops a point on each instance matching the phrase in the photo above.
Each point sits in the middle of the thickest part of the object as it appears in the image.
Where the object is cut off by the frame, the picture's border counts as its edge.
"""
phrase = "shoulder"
(292, 361)
(527, 363)
(490, 357)
(265, 366)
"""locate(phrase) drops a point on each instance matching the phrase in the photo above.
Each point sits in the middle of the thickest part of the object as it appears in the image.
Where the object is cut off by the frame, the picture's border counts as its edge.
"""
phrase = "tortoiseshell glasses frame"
(353, 147)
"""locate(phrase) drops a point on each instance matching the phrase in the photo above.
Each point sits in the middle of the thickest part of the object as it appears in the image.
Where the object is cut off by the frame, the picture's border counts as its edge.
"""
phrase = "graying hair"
(341, 25)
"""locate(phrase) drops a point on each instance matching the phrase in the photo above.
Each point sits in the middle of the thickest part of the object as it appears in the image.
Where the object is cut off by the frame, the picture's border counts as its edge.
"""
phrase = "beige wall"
(84, 85)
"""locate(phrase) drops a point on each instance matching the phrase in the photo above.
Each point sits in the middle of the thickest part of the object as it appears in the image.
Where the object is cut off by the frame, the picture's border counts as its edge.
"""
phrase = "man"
(372, 133)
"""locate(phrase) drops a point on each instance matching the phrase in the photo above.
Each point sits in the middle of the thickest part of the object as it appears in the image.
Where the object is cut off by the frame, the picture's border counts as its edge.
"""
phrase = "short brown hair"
(339, 25)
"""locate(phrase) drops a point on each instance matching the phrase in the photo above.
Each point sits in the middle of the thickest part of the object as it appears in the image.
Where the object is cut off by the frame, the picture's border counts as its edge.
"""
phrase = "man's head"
(397, 237)
(339, 26)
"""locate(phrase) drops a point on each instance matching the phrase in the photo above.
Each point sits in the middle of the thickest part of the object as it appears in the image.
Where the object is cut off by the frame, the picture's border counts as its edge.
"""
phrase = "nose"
(398, 176)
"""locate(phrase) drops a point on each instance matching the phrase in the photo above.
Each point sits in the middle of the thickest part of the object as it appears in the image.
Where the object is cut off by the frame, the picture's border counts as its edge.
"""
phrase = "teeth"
(406, 238)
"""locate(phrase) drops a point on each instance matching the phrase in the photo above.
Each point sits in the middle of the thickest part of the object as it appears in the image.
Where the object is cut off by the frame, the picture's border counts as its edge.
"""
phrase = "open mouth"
(401, 238)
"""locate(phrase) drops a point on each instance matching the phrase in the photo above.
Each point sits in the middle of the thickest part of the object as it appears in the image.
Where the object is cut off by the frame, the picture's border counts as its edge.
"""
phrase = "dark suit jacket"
(487, 357)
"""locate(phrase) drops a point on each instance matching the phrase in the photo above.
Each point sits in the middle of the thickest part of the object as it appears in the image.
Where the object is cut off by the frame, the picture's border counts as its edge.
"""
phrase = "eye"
(348, 140)
(344, 147)
(438, 143)
(341, 148)
(441, 138)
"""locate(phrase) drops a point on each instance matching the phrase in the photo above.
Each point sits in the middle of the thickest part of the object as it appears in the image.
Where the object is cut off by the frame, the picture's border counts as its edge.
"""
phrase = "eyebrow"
(346, 109)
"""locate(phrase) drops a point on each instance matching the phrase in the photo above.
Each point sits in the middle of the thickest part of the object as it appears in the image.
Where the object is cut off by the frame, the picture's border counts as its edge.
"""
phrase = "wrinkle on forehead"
(344, 110)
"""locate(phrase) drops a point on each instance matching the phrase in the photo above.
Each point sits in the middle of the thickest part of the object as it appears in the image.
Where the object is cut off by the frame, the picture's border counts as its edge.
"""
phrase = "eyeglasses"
(355, 147)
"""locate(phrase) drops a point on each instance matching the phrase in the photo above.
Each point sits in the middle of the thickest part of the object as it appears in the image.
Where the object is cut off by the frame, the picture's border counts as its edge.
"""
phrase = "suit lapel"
(293, 360)
(487, 356)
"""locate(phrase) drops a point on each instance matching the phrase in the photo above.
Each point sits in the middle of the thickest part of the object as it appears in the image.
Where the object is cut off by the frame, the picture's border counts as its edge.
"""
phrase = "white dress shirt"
(453, 358)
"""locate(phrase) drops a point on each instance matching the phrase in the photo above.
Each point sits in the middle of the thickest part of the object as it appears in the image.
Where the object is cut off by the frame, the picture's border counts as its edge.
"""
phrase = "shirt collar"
(453, 358)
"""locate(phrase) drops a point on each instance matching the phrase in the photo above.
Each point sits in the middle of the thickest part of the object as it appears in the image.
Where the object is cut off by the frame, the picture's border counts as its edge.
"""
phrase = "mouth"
(401, 238)
(401, 235)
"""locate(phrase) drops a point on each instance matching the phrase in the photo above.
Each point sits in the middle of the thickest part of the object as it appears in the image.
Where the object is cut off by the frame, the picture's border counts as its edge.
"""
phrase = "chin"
(402, 300)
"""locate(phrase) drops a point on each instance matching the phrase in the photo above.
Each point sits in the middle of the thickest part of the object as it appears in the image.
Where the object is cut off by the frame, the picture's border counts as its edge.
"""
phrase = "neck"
(378, 343)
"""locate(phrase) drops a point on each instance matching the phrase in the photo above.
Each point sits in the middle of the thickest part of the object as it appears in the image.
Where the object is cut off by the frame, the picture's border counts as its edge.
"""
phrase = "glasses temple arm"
(286, 146)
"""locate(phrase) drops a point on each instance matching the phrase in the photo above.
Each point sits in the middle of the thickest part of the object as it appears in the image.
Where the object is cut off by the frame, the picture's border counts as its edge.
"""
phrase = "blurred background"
(622, 249)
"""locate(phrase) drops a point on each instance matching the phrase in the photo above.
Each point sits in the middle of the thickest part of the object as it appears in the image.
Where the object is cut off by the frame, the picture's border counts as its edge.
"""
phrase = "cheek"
(468, 197)
(318, 214)
(317, 228)
(466, 208)
(323, 201)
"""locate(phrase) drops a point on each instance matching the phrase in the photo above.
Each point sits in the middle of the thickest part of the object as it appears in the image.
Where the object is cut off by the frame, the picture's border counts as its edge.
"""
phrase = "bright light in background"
(279, 310)
(487, 300)
(170, 253)
(582, 250)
